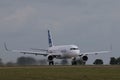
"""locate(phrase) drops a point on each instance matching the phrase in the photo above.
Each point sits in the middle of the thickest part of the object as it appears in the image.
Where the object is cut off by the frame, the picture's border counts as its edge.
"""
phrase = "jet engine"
(84, 58)
(50, 57)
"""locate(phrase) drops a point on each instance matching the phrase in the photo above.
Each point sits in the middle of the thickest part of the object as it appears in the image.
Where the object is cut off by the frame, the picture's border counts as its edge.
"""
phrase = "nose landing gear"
(74, 62)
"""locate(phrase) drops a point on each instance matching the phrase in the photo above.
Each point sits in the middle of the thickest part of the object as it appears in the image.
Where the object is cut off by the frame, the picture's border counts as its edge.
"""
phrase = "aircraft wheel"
(74, 62)
(51, 62)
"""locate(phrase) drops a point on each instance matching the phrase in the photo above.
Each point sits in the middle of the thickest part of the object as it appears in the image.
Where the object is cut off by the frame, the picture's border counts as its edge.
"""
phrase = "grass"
(60, 73)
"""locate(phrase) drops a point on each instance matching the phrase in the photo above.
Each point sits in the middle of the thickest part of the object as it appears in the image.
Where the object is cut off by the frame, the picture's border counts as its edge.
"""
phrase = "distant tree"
(64, 61)
(113, 61)
(10, 64)
(1, 63)
(98, 62)
(118, 60)
(26, 61)
(42, 62)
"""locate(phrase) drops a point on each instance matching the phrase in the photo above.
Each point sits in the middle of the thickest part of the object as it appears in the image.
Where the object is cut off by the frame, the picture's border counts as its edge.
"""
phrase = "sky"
(93, 25)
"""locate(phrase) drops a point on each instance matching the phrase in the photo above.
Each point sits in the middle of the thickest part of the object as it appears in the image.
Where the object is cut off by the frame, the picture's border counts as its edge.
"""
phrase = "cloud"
(16, 20)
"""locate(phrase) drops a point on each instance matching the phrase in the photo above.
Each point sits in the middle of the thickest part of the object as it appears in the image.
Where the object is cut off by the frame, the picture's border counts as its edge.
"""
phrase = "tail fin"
(49, 39)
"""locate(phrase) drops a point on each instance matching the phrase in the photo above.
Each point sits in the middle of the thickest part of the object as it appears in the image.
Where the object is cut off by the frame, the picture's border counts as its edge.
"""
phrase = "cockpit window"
(73, 48)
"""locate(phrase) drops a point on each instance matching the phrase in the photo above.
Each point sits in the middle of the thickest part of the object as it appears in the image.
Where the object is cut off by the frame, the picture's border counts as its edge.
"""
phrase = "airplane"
(58, 52)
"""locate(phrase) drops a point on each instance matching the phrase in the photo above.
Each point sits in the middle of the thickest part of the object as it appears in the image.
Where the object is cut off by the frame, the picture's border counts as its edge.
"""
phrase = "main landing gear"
(51, 62)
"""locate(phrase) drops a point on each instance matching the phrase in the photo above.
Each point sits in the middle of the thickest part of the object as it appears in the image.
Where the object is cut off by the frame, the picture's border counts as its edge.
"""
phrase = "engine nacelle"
(50, 57)
(84, 58)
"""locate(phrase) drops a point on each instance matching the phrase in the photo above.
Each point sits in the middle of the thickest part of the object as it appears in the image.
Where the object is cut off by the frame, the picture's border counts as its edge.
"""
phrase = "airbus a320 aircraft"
(58, 52)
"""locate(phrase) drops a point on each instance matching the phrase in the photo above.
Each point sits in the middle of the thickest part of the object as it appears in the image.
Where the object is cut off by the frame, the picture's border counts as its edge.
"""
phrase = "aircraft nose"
(77, 52)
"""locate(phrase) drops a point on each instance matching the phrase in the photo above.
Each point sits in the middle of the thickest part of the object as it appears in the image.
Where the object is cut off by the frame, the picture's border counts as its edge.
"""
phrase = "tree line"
(115, 61)
(23, 61)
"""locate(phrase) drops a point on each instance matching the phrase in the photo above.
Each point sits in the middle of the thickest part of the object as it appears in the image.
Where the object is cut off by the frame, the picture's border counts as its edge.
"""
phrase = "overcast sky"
(93, 25)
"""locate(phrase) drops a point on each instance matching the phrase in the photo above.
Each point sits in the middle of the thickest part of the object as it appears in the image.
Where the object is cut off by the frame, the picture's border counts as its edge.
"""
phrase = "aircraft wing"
(43, 50)
(35, 53)
(25, 52)
(91, 53)
(30, 52)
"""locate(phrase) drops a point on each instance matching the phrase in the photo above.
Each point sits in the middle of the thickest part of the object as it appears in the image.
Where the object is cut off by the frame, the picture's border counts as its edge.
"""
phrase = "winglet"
(5, 47)
(111, 47)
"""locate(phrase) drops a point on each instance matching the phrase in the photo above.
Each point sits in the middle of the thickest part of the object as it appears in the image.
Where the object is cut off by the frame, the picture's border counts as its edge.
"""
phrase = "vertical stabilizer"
(49, 39)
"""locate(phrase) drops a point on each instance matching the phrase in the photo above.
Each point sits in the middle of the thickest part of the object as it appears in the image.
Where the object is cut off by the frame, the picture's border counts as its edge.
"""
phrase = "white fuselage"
(64, 51)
